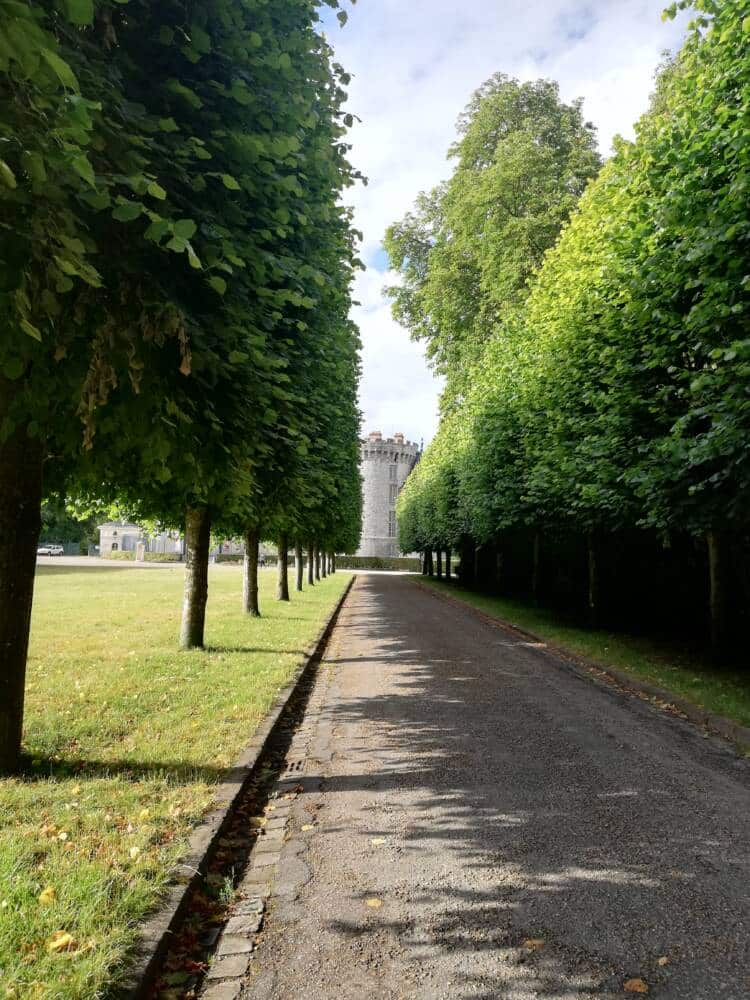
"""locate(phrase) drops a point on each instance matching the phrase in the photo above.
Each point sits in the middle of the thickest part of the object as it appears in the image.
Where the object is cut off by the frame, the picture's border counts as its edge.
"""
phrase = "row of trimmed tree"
(175, 272)
(593, 326)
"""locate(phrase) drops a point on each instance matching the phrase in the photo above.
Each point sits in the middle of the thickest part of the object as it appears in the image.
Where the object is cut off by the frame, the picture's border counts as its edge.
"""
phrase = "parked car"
(50, 550)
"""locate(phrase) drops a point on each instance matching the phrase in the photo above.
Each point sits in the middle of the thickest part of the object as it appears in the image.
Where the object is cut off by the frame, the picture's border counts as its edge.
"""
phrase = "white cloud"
(414, 67)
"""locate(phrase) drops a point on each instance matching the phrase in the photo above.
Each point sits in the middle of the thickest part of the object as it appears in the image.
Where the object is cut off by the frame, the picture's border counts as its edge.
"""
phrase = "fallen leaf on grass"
(635, 986)
(534, 944)
(61, 941)
(374, 902)
(664, 960)
(47, 896)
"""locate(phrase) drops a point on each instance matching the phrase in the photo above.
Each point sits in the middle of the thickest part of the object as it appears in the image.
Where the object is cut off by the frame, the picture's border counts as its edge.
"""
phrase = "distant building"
(385, 466)
(119, 536)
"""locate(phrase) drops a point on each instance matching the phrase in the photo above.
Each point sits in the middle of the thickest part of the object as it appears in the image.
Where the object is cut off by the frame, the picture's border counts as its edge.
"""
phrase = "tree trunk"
(195, 594)
(439, 555)
(21, 462)
(430, 566)
(317, 562)
(447, 564)
(299, 564)
(717, 602)
(311, 564)
(250, 573)
(593, 580)
(536, 567)
(424, 562)
(333, 562)
(324, 564)
(282, 581)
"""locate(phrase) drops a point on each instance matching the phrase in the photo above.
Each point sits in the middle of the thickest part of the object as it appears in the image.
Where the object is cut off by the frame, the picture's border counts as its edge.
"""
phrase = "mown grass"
(126, 738)
(684, 670)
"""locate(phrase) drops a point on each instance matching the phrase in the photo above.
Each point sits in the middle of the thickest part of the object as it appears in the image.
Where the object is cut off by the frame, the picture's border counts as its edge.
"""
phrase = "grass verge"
(126, 738)
(683, 670)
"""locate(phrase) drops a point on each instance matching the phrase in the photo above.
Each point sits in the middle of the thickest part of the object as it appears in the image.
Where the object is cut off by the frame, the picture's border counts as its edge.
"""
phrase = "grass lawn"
(681, 670)
(126, 737)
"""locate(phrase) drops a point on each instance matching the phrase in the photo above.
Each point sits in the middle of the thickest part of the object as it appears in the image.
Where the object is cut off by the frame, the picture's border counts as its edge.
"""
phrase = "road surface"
(478, 821)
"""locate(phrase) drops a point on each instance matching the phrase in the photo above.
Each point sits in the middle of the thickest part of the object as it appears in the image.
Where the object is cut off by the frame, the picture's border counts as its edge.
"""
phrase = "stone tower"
(385, 464)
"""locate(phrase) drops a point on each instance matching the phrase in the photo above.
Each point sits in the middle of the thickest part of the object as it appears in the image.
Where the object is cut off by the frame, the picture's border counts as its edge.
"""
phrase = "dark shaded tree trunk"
(250, 573)
(430, 564)
(439, 560)
(593, 589)
(299, 564)
(323, 564)
(424, 562)
(536, 567)
(447, 564)
(197, 545)
(317, 562)
(468, 558)
(282, 580)
(311, 564)
(333, 562)
(718, 591)
(21, 463)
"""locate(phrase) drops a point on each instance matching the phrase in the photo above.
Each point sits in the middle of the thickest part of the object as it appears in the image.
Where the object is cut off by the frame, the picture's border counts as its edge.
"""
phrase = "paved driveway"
(480, 822)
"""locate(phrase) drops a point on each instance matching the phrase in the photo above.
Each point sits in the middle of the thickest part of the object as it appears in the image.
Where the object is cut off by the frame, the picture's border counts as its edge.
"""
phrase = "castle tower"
(385, 464)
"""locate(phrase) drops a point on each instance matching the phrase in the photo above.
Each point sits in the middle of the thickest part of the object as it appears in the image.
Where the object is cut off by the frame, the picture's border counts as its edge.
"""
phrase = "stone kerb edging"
(155, 933)
(585, 668)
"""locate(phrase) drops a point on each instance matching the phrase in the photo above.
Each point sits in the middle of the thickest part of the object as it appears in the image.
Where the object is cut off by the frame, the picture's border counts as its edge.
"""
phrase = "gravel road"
(477, 821)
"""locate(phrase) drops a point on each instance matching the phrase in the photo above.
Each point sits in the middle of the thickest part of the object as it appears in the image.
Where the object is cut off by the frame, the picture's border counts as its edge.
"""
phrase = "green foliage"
(614, 393)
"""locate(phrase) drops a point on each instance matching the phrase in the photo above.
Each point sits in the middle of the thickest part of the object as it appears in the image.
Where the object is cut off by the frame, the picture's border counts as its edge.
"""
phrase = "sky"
(414, 66)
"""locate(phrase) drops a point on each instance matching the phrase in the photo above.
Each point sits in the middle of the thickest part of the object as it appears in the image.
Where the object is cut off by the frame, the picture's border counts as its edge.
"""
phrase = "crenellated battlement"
(385, 465)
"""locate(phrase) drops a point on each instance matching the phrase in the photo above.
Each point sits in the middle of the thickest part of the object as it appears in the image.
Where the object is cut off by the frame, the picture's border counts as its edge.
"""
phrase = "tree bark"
(439, 558)
(299, 564)
(317, 562)
(424, 562)
(311, 564)
(324, 564)
(195, 594)
(250, 573)
(717, 601)
(593, 596)
(282, 580)
(536, 567)
(430, 566)
(21, 463)
(447, 564)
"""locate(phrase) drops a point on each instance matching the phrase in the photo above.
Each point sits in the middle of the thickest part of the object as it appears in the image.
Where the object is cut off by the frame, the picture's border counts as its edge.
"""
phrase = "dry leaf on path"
(374, 902)
(377, 841)
(308, 826)
(664, 960)
(635, 986)
(534, 943)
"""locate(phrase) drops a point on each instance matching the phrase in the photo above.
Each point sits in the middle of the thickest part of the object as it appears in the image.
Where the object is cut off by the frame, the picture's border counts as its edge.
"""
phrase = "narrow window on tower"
(392, 524)
(392, 472)
(393, 492)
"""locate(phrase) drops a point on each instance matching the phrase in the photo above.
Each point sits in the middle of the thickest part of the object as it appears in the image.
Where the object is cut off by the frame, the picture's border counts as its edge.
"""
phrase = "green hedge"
(121, 556)
(373, 562)
(160, 557)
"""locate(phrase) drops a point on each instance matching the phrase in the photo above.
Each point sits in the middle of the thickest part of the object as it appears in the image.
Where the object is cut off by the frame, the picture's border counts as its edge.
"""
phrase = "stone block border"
(661, 699)
(155, 933)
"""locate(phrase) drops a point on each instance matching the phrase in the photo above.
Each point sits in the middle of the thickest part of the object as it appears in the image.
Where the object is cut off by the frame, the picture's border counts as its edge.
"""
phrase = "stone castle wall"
(385, 465)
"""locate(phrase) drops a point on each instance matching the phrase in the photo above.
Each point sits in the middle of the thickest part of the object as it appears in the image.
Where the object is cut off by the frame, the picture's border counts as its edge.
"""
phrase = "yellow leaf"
(61, 941)
(308, 826)
(535, 944)
(75, 790)
(47, 896)
(377, 841)
(635, 986)
(144, 814)
(374, 902)
(62, 835)
(134, 852)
